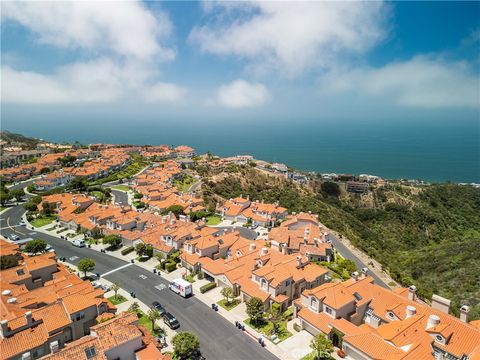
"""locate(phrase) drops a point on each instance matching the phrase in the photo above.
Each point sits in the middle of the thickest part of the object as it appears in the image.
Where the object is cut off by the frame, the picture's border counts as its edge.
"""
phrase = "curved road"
(219, 339)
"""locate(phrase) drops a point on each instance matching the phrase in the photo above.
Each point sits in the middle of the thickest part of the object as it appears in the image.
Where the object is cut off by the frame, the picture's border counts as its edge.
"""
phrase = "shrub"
(297, 327)
(200, 275)
(169, 266)
(288, 314)
(341, 353)
(128, 250)
(207, 287)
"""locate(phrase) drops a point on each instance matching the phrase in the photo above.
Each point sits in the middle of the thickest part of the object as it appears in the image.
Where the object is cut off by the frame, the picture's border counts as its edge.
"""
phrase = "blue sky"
(231, 59)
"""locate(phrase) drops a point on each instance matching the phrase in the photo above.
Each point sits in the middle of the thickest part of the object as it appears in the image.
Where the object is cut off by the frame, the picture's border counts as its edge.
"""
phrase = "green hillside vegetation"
(27, 142)
(429, 237)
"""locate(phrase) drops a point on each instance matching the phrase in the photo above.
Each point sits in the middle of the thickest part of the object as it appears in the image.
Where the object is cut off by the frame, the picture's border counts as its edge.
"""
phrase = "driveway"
(297, 345)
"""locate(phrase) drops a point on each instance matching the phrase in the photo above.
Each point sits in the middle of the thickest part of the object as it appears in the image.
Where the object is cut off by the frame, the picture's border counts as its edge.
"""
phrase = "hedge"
(207, 287)
(128, 250)
(169, 267)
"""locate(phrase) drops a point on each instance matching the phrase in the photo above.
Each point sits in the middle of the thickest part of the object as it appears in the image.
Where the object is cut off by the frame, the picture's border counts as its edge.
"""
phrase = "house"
(304, 234)
(265, 273)
(118, 338)
(43, 307)
(370, 322)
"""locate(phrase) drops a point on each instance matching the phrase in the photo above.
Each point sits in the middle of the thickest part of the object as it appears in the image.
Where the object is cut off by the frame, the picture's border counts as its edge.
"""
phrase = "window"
(313, 302)
(439, 338)
(90, 352)
(287, 283)
(80, 316)
(391, 315)
(264, 284)
(20, 272)
(328, 310)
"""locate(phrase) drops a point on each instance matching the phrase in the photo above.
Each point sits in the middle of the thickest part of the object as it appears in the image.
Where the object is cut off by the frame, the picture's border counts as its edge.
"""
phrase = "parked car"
(105, 288)
(22, 222)
(14, 237)
(96, 284)
(171, 321)
(78, 243)
(157, 306)
(49, 249)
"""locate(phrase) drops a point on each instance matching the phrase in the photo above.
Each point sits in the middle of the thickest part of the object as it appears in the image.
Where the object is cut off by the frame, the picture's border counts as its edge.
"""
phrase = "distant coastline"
(433, 154)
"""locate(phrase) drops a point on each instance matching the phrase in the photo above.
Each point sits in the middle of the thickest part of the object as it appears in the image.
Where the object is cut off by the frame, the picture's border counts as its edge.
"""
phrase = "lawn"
(266, 328)
(213, 220)
(230, 305)
(184, 184)
(134, 167)
(121, 187)
(42, 221)
(115, 300)
(145, 321)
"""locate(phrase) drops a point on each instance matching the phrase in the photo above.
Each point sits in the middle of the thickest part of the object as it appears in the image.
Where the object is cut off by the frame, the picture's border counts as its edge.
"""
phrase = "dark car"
(157, 306)
(171, 321)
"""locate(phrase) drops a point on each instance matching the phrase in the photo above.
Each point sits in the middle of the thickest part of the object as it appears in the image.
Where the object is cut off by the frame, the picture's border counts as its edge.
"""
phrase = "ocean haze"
(436, 151)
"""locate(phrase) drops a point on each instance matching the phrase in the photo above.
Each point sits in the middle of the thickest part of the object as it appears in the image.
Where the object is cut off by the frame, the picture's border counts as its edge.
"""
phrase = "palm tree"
(115, 288)
(153, 315)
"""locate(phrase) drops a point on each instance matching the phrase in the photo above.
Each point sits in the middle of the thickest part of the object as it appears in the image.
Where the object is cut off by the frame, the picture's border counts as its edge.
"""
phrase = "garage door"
(310, 328)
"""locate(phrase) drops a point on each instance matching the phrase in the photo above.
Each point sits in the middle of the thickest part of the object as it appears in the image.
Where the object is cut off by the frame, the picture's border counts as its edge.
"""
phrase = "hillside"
(25, 142)
(429, 237)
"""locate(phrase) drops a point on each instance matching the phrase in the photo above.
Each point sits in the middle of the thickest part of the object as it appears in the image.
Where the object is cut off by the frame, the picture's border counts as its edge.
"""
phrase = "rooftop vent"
(6, 292)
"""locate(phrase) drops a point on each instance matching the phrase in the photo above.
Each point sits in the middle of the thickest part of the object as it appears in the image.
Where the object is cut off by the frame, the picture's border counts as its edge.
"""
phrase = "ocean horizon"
(434, 152)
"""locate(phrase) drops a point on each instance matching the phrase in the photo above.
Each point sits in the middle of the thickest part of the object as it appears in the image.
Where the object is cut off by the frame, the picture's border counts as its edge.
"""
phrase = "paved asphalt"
(219, 339)
(120, 197)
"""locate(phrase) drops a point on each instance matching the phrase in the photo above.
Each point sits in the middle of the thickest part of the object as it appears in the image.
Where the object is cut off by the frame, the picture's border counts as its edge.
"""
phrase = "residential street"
(220, 339)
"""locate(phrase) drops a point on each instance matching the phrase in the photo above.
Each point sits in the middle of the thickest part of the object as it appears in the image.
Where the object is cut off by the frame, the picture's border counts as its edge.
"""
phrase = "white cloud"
(242, 94)
(291, 36)
(123, 27)
(422, 82)
(124, 37)
(98, 81)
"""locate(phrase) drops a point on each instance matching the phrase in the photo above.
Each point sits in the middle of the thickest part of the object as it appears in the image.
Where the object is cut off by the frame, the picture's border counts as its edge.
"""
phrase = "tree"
(322, 347)
(255, 309)
(30, 206)
(140, 249)
(175, 209)
(36, 246)
(153, 315)
(227, 293)
(275, 317)
(185, 345)
(86, 265)
(37, 199)
(78, 184)
(112, 240)
(96, 232)
(134, 307)
(4, 197)
(115, 288)
(8, 261)
(47, 208)
(330, 188)
(45, 170)
(137, 195)
(18, 194)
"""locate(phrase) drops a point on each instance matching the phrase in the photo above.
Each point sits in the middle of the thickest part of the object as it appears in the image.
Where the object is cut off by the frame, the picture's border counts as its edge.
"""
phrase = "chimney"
(54, 348)
(440, 303)
(433, 320)
(410, 311)
(264, 251)
(4, 328)
(26, 356)
(464, 310)
(28, 317)
(172, 221)
(252, 247)
(299, 261)
(305, 240)
(412, 293)
(355, 275)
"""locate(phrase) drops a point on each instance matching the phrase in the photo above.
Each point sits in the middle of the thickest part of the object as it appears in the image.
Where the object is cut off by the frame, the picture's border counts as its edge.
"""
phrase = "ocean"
(435, 151)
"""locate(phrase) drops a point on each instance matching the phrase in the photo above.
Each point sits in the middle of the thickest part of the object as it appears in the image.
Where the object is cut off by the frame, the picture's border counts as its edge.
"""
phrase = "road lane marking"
(73, 258)
(161, 287)
(10, 226)
(119, 268)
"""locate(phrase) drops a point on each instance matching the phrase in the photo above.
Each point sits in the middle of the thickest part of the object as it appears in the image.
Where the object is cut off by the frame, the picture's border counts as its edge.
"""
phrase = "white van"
(78, 243)
(181, 287)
